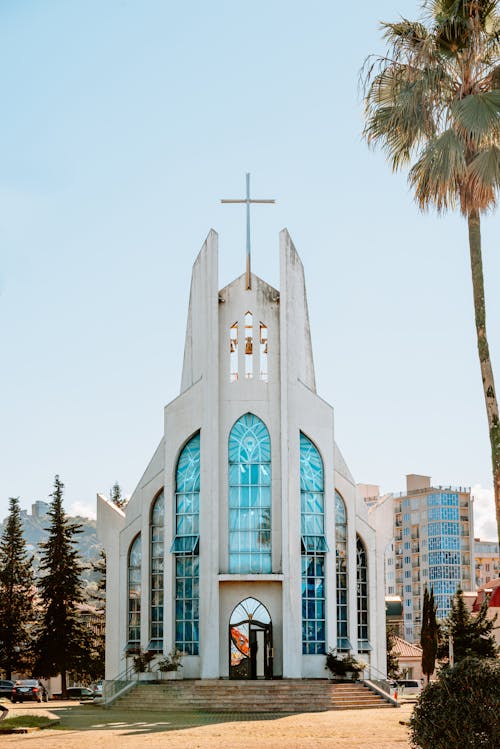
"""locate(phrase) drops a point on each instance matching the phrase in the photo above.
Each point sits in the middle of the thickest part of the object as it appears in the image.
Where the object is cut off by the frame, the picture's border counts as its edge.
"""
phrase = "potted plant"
(344, 667)
(170, 664)
(142, 664)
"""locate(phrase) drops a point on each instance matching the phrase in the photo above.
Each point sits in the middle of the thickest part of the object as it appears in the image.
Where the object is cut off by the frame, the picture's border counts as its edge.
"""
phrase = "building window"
(134, 595)
(157, 530)
(343, 642)
(233, 352)
(249, 496)
(362, 595)
(248, 345)
(186, 548)
(313, 548)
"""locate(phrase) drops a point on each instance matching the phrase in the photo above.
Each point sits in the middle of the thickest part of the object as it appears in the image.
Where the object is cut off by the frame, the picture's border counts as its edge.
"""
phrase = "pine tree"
(17, 590)
(116, 495)
(429, 634)
(472, 634)
(63, 640)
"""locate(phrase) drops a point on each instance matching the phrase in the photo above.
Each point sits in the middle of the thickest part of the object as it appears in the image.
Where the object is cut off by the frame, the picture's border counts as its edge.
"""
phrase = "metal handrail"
(114, 688)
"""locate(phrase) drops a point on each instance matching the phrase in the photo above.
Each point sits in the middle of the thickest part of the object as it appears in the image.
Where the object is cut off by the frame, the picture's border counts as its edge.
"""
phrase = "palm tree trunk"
(484, 353)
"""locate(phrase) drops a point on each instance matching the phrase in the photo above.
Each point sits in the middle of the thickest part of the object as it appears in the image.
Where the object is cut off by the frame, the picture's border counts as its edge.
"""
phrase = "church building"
(244, 545)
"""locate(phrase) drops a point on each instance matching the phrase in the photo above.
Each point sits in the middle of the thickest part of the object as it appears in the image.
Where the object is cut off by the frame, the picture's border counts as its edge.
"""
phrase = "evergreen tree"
(429, 634)
(392, 659)
(472, 634)
(63, 640)
(17, 590)
(116, 495)
(99, 569)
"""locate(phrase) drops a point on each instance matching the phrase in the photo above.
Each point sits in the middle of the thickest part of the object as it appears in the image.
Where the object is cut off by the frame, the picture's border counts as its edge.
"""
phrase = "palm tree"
(433, 103)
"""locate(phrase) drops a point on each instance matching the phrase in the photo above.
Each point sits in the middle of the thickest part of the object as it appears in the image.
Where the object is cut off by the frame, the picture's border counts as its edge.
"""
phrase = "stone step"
(281, 696)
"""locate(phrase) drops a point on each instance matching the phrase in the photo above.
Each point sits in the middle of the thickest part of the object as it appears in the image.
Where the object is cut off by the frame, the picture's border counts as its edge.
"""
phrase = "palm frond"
(438, 173)
(477, 116)
(483, 180)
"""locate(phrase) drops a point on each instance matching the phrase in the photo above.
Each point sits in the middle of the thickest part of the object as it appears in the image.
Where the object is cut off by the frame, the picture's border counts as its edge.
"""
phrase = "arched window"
(343, 642)
(134, 595)
(248, 345)
(313, 548)
(249, 496)
(364, 645)
(186, 548)
(157, 530)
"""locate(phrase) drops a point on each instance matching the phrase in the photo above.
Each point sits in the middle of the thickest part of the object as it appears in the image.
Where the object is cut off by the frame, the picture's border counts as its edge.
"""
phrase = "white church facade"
(244, 545)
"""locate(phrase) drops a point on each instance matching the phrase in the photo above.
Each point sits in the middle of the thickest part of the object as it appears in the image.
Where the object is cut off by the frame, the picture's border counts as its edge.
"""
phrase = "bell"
(248, 345)
(232, 346)
(265, 348)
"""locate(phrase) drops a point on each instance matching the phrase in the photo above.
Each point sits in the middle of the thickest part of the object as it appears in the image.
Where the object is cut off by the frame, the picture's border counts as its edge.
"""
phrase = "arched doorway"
(250, 641)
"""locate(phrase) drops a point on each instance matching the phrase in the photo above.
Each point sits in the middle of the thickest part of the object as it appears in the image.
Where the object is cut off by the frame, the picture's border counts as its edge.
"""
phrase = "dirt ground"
(86, 726)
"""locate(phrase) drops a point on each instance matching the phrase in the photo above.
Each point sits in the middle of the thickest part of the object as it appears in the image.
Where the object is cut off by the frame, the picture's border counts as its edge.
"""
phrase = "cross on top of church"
(247, 201)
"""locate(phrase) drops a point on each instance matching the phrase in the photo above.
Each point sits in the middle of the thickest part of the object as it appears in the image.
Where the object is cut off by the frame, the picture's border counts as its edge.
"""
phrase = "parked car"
(80, 693)
(27, 689)
(410, 686)
(97, 689)
(6, 688)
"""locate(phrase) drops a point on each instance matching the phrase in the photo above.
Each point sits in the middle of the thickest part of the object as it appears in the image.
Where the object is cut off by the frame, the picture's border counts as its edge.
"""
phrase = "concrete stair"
(279, 696)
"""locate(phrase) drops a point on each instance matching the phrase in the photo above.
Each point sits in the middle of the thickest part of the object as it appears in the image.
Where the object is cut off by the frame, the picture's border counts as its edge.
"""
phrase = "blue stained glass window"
(362, 595)
(157, 529)
(313, 548)
(343, 642)
(186, 548)
(134, 594)
(249, 496)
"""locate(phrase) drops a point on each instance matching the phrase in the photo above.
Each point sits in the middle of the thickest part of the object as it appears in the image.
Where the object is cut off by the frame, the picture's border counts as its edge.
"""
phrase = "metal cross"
(248, 200)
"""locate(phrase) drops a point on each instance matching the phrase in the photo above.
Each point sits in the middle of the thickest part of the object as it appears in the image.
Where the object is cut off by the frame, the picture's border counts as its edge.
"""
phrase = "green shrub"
(460, 708)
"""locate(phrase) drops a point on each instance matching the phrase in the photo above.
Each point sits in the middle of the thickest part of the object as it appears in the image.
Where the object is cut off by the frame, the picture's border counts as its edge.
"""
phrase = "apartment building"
(431, 544)
(486, 562)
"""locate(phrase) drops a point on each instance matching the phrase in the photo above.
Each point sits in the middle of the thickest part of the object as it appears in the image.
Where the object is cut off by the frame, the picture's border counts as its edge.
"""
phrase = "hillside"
(35, 531)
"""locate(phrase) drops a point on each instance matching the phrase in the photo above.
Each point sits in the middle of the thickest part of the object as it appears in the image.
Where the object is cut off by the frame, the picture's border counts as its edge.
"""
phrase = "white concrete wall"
(210, 403)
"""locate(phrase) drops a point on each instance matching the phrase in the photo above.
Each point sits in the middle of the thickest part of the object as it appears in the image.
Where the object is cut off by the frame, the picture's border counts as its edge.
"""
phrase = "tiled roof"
(406, 649)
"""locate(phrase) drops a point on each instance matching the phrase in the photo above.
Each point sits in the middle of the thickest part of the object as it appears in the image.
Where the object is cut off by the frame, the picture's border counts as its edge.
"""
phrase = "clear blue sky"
(123, 124)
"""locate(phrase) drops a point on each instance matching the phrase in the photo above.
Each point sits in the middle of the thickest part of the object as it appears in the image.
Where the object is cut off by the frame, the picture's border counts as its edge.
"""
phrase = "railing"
(114, 688)
(380, 684)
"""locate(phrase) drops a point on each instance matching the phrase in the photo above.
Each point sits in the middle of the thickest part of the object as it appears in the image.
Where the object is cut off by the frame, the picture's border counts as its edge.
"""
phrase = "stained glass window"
(134, 594)
(157, 530)
(186, 548)
(249, 496)
(343, 642)
(313, 548)
(362, 596)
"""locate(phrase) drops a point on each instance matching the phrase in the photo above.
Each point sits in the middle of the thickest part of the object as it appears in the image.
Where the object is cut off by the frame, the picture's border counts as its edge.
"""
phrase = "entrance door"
(250, 641)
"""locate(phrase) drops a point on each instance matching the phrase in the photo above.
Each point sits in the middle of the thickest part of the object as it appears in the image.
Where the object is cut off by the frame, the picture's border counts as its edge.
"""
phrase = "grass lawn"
(27, 721)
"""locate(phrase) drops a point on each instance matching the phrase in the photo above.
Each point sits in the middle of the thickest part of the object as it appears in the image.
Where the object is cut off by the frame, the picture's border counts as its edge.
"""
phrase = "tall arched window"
(134, 595)
(343, 642)
(157, 530)
(186, 548)
(313, 548)
(364, 645)
(249, 496)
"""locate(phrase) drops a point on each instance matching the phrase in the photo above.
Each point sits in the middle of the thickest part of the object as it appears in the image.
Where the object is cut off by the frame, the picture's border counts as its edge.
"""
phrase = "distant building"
(394, 614)
(486, 562)
(430, 544)
(409, 658)
(39, 509)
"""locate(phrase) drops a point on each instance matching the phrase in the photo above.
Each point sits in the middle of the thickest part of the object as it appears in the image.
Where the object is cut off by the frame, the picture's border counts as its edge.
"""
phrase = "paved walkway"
(86, 725)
